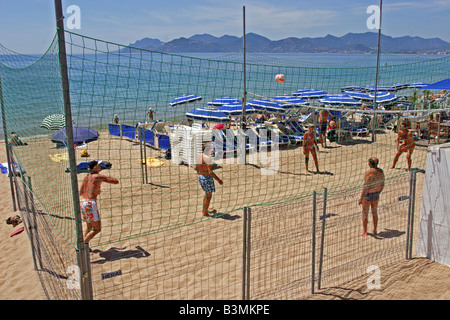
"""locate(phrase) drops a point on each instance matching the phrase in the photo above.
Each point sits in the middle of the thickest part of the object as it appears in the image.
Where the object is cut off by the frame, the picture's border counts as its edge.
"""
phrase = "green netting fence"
(261, 162)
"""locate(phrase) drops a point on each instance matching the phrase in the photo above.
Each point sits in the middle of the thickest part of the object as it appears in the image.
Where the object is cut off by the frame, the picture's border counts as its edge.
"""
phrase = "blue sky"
(27, 26)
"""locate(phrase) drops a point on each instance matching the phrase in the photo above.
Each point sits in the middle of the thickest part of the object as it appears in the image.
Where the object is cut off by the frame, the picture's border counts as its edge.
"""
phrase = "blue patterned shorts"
(207, 183)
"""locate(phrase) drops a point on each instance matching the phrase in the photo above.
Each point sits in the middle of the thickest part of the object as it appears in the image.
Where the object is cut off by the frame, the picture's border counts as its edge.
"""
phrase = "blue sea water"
(103, 84)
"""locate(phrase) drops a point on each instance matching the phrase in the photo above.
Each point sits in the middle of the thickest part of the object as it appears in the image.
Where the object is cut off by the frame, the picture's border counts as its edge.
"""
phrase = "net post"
(8, 158)
(413, 200)
(86, 292)
(313, 244)
(322, 237)
(246, 254)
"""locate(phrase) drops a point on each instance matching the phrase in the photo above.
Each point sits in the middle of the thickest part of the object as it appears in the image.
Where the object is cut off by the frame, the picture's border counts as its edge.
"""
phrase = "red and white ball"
(279, 78)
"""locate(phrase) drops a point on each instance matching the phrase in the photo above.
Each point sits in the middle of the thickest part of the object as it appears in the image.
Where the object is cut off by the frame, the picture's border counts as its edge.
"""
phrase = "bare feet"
(363, 234)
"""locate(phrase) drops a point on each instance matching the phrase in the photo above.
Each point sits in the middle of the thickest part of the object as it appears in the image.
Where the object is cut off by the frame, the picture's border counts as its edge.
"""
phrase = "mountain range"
(349, 43)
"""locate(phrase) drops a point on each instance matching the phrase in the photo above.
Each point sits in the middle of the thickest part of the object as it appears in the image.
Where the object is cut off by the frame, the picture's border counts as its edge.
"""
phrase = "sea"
(103, 84)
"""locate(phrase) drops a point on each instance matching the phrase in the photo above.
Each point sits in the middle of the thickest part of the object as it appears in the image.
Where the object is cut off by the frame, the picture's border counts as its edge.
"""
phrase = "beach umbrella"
(223, 101)
(289, 100)
(361, 96)
(80, 135)
(352, 88)
(339, 100)
(207, 114)
(417, 85)
(371, 88)
(186, 98)
(384, 97)
(235, 109)
(309, 94)
(54, 122)
(269, 106)
(440, 85)
(400, 86)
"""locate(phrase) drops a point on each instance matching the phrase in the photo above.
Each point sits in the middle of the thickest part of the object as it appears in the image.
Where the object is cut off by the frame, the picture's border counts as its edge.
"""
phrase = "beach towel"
(83, 167)
(152, 162)
(60, 157)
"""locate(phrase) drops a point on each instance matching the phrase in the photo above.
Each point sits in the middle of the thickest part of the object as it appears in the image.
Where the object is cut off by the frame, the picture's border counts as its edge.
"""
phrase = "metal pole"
(8, 159)
(82, 249)
(36, 233)
(376, 78)
(313, 251)
(244, 99)
(408, 226)
(413, 200)
(244, 253)
(322, 237)
(249, 245)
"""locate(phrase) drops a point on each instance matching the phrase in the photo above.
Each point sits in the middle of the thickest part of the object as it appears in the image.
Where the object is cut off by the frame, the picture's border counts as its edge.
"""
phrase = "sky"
(28, 26)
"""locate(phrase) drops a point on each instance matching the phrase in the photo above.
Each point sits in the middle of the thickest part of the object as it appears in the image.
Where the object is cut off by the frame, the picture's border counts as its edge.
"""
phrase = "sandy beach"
(161, 219)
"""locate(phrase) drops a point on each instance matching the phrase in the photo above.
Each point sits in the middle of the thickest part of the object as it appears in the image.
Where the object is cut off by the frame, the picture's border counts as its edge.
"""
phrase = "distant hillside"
(349, 43)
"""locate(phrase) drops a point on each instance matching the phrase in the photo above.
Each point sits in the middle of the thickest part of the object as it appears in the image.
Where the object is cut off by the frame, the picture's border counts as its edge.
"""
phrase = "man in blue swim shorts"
(206, 177)
(373, 186)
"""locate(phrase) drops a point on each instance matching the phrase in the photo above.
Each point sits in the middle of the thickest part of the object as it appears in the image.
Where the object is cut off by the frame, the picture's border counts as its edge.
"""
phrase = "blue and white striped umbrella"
(400, 86)
(186, 98)
(290, 100)
(384, 97)
(207, 114)
(269, 106)
(235, 109)
(361, 96)
(339, 100)
(223, 101)
(352, 88)
(371, 88)
(309, 94)
(417, 85)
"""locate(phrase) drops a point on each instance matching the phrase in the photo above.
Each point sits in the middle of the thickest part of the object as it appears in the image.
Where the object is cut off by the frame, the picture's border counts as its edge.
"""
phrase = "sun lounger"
(147, 136)
(114, 130)
(163, 142)
(128, 131)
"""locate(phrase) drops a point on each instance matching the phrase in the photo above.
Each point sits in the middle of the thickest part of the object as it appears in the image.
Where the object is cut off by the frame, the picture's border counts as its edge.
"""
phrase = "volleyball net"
(257, 149)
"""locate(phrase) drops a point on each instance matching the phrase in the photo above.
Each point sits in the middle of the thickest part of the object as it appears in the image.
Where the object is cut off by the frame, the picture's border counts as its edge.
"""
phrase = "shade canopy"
(186, 98)
(309, 94)
(80, 135)
(54, 122)
(235, 109)
(207, 114)
(440, 85)
(339, 100)
(223, 101)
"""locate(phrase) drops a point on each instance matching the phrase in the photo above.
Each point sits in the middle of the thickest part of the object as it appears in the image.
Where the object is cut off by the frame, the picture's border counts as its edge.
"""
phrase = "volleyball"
(84, 153)
(279, 78)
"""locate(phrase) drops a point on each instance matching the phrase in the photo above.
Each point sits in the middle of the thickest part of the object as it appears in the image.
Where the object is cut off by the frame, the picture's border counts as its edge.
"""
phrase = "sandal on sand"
(14, 221)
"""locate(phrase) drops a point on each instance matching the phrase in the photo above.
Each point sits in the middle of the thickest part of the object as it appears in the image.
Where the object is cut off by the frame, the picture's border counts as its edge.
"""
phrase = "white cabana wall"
(434, 229)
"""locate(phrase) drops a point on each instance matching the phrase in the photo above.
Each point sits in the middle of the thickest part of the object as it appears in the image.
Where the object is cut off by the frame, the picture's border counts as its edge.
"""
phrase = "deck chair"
(159, 127)
(437, 132)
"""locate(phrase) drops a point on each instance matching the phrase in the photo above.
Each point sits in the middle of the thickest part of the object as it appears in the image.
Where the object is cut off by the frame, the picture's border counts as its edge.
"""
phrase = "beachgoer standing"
(310, 147)
(206, 176)
(373, 186)
(150, 114)
(323, 122)
(405, 143)
(90, 189)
